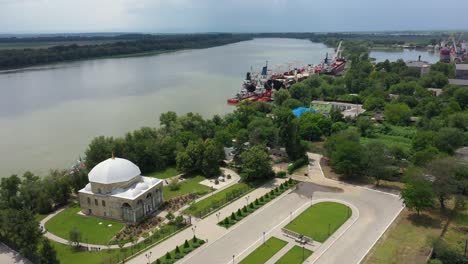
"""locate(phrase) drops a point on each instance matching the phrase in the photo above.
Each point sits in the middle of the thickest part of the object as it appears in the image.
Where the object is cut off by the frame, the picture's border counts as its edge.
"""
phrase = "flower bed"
(259, 202)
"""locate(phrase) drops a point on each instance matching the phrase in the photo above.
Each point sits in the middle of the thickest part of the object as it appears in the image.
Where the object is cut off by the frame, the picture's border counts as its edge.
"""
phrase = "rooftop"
(458, 82)
(460, 66)
(132, 192)
(114, 170)
(416, 64)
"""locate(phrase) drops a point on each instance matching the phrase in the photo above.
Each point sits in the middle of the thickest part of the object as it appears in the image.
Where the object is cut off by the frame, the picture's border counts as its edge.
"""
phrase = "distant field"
(39, 45)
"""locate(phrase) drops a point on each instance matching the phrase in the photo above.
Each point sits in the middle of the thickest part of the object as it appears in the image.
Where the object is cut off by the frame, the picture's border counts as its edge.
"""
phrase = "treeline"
(128, 44)
(17, 58)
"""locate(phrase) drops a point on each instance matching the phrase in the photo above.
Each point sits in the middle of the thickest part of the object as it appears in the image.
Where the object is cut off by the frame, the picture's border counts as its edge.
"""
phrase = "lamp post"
(302, 253)
(218, 214)
(290, 217)
(247, 199)
(148, 256)
(233, 256)
(263, 237)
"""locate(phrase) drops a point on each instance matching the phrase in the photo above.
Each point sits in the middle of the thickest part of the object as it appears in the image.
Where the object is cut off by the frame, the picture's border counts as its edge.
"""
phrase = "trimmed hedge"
(251, 207)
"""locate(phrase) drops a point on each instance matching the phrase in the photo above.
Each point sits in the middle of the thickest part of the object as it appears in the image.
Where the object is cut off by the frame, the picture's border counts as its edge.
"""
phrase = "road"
(373, 212)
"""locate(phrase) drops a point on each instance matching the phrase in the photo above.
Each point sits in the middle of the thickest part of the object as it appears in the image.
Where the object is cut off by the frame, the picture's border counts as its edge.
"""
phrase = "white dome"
(114, 170)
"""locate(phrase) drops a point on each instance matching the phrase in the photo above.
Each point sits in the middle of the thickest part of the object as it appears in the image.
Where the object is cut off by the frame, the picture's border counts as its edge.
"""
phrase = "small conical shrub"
(251, 205)
(177, 250)
(233, 217)
(226, 221)
(239, 213)
(158, 261)
(256, 202)
(186, 244)
(244, 209)
(262, 199)
(168, 255)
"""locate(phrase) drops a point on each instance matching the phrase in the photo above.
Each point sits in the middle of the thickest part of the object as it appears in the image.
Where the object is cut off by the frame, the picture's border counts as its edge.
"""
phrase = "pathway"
(207, 228)
(373, 211)
(9, 256)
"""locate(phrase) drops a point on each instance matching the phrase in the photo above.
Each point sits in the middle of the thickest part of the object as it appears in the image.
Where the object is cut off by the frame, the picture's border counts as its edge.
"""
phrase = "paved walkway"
(207, 228)
(372, 212)
(9, 256)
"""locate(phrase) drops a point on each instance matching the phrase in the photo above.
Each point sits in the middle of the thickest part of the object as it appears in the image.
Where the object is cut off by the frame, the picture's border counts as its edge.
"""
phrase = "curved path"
(51, 236)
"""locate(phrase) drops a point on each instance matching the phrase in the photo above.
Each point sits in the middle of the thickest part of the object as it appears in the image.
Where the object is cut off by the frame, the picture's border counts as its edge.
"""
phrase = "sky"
(177, 16)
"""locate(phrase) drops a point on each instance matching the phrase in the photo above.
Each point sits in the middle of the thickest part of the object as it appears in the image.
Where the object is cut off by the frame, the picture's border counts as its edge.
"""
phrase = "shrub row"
(180, 251)
(297, 164)
(259, 202)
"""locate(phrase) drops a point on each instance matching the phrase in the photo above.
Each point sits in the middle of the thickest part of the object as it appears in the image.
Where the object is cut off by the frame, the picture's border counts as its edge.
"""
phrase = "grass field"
(190, 185)
(407, 239)
(320, 220)
(457, 231)
(164, 174)
(296, 255)
(218, 200)
(66, 254)
(91, 231)
(265, 251)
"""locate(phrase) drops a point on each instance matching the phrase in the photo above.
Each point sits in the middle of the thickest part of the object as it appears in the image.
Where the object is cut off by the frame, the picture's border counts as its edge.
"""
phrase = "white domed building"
(116, 190)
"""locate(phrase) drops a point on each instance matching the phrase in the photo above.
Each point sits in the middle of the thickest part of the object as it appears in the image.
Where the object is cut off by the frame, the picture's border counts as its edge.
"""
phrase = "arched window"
(95, 202)
(89, 200)
(103, 203)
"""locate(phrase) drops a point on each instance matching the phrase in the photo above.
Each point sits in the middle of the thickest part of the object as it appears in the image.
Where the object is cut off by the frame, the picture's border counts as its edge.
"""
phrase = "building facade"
(116, 190)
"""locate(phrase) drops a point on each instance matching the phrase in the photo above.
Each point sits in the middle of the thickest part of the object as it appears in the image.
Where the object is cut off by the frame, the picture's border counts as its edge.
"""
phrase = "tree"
(448, 139)
(293, 145)
(281, 96)
(461, 95)
(378, 161)
(365, 125)
(397, 114)
(336, 115)
(256, 164)
(9, 188)
(263, 131)
(434, 79)
(374, 103)
(347, 158)
(168, 119)
(75, 237)
(299, 91)
(417, 194)
(47, 254)
(213, 154)
(444, 182)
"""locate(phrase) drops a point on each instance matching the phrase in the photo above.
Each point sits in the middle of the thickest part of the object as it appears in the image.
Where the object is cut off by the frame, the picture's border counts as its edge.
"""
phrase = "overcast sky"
(54, 16)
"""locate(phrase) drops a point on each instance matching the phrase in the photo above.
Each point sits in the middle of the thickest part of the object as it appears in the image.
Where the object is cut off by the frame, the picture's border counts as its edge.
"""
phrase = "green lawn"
(320, 220)
(89, 227)
(407, 240)
(218, 200)
(190, 185)
(164, 174)
(66, 254)
(265, 251)
(296, 255)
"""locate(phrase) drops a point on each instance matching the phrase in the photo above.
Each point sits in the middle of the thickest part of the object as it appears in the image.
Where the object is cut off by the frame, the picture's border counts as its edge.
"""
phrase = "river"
(48, 115)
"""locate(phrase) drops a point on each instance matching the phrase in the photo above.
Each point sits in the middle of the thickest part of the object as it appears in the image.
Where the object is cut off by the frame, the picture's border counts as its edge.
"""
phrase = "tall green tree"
(397, 114)
(47, 254)
(417, 194)
(256, 164)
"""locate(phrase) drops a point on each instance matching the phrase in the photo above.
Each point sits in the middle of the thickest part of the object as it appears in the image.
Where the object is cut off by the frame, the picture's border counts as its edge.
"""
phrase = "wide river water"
(48, 115)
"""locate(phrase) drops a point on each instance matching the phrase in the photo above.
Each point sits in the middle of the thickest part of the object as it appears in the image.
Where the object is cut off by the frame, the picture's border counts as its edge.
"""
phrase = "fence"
(303, 238)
